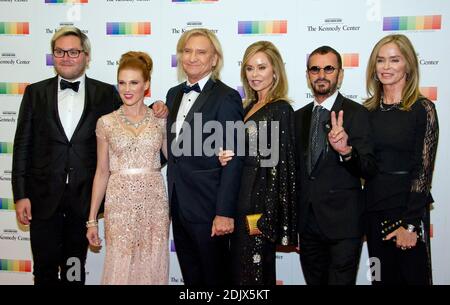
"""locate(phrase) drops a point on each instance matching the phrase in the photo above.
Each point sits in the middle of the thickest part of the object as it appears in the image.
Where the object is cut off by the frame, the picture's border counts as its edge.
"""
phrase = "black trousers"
(327, 261)
(59, 246)
(397, 266)
(204, 260)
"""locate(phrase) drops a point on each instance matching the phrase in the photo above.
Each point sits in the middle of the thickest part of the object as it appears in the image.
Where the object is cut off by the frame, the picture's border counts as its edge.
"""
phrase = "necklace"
(388, 107)
(136, 125)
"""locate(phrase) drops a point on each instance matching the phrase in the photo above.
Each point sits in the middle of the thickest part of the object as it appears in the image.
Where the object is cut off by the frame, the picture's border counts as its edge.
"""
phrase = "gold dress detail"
(136, 207)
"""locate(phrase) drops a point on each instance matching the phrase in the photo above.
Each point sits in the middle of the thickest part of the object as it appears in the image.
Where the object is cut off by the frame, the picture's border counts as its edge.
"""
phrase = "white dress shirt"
(328, 103)
(71, 106)
(187, 101)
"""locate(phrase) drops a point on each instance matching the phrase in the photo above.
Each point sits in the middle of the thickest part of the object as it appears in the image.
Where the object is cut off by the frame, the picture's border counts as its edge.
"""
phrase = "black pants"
(204, 260)
(397, 266)
(328, 261)
(59, 246)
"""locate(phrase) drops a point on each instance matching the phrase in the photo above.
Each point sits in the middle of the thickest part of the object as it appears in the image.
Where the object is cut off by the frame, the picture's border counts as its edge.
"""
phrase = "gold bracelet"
(91, 223)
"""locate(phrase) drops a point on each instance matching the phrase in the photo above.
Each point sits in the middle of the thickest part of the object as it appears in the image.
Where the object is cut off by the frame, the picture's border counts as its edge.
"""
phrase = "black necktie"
(68, 85)
(316, 142)
(187, 89)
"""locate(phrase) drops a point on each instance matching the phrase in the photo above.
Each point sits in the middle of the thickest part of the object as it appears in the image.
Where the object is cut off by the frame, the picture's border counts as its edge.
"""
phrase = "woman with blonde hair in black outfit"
(405, 135)
(266, 210)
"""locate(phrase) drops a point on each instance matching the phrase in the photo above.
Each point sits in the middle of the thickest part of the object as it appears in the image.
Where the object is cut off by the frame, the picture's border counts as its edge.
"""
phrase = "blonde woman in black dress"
(268, 179)
(405, 134)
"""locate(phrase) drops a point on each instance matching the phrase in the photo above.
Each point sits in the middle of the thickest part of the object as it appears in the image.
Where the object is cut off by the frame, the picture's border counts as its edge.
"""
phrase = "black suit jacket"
(204, 188)
(43, 155)
(333, 188)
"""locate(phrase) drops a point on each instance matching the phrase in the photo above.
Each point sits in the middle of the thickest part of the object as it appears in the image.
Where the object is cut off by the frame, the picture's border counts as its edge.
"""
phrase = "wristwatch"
(410, 228)
(347, 154)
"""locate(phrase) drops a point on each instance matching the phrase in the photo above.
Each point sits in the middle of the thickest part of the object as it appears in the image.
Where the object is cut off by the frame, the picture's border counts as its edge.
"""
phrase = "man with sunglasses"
(54, 159)
(334, 152)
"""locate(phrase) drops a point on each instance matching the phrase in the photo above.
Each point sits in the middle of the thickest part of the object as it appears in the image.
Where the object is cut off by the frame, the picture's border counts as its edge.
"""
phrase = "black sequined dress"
(267, 187)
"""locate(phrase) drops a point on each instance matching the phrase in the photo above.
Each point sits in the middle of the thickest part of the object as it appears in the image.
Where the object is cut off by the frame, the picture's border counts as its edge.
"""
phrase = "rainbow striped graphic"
(15, 28)
(7, 204)
(12, 88)
(49, 59)
(412, 23)
(67, 1)
(241, 91)
(194, 1)
(14, 265)
(128, 28)
(430, 92)
(350, 60)
(174, 62)
(262, 27)
(6, 148)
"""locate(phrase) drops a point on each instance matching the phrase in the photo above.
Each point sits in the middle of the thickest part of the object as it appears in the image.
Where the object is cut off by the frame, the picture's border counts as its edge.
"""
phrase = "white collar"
(201, 82)
(328, 102)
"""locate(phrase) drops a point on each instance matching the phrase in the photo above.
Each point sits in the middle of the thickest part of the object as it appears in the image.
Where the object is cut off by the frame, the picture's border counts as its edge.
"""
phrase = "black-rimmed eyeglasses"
(72, 53)
(316, 69)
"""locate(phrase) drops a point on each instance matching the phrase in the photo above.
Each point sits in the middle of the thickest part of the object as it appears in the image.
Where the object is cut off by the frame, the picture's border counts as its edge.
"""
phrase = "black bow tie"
(187, 89)
(68, 85)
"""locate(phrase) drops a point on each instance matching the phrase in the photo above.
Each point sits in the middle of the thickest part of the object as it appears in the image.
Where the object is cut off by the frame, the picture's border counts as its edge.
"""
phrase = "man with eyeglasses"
(333, 152)
(54, 159)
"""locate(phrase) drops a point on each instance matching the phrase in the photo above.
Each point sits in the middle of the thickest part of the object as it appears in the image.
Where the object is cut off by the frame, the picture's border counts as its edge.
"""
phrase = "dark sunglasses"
(316, 69)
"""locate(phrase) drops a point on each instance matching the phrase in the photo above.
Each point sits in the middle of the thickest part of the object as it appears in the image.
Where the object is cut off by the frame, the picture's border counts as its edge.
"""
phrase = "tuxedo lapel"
(174, 113)
(196, 107)
(176, 105)
(306, 141)
(52, 100)
(89, 98)
(337, 106)
(201, 100)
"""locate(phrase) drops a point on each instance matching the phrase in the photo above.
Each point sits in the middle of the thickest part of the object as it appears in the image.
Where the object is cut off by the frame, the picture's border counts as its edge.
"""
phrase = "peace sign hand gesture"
(337, 136)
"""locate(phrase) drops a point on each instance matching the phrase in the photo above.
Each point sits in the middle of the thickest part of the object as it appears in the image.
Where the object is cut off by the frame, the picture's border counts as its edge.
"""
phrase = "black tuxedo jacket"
(43, 155)
(204, 188)
(333, 187)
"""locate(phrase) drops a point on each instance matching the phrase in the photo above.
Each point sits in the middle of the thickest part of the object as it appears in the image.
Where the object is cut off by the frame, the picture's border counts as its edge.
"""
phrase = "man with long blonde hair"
(202, 194)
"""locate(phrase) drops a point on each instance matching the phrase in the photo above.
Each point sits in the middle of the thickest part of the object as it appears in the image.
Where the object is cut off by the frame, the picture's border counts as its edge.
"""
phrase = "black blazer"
(204, 188)
(43, 155)
(333, 188)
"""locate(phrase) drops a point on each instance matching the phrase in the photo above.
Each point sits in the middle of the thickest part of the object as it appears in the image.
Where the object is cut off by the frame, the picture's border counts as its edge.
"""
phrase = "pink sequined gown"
(136, 207)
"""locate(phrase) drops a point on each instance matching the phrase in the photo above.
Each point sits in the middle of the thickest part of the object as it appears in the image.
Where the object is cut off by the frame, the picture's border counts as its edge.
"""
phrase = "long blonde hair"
(411, 92)
(279, 87)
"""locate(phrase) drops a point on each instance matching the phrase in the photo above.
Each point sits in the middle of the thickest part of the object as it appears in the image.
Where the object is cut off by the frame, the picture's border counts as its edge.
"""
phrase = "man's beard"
(324, 91)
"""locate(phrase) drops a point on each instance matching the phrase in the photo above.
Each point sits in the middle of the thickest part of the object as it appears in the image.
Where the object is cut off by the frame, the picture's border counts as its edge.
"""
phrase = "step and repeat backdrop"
(154, 26)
